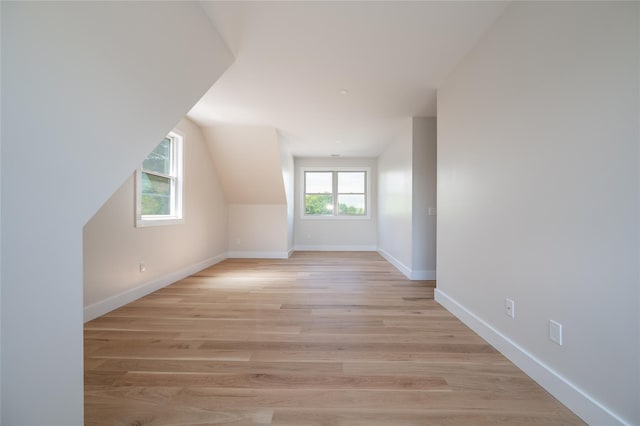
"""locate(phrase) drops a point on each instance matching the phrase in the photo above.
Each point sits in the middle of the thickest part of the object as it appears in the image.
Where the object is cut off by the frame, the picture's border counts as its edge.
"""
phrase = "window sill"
(327, 217)
(161, 221)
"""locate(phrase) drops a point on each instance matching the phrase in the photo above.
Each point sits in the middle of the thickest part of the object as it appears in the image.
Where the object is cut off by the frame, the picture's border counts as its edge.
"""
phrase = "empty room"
(320, 213)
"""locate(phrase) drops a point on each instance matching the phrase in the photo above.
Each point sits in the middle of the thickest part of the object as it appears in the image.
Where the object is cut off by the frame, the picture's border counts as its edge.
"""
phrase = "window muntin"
(159, 184)
(333, 193)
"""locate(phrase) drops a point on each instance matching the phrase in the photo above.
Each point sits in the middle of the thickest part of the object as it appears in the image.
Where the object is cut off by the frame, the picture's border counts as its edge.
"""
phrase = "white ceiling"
(294, 58)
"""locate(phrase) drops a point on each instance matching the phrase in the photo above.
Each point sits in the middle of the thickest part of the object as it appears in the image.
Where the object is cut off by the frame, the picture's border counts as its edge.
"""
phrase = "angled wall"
(113, 247)
(88, 89)
(538, 198)
(247, 159)
(249, 163)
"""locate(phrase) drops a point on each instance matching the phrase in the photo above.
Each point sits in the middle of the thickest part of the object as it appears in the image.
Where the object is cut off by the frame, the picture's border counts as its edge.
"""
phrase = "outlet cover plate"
(510, 308)
(555, 332)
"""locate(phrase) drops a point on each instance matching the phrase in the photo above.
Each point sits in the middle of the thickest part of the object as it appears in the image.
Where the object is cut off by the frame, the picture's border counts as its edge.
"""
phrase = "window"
(338, 193)
(159, 184)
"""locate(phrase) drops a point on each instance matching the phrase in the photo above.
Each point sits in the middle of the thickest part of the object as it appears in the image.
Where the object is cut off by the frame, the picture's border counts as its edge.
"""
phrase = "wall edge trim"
(577, 400)
(116, 301)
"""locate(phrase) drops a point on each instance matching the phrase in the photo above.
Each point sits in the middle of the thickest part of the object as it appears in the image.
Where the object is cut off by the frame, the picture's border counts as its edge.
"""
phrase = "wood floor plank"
(306, 417)
(208, 398)
(321, 338)
(274, 381)
(219, 367)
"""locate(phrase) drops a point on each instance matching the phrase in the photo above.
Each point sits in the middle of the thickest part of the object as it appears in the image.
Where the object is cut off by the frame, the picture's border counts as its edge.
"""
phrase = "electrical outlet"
(510, 308)
(432, 211)
(555, 332)
(143, 267)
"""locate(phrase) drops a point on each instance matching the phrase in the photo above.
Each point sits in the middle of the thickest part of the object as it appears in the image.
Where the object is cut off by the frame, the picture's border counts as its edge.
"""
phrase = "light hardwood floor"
(317, 339)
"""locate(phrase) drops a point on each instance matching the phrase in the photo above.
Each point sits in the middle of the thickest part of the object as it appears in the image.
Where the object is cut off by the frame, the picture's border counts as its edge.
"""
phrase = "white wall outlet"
(509, 307)
(143, 267)
(432, 211)
(555, 332)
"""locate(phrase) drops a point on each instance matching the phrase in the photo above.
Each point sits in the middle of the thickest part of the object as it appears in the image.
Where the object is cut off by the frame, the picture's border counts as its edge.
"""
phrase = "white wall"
(395, 205)
(258, 231)
(538, 198)
(248, 161)
(407, 190)
(81, 107)
(0, 241)
(113, 247)
(335, 234)
(250, 164)
(288, 177)
(424, 197)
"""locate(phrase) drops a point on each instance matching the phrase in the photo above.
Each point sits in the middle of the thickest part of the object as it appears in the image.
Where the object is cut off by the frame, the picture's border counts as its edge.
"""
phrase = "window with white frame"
(338, 193)
(159, 184)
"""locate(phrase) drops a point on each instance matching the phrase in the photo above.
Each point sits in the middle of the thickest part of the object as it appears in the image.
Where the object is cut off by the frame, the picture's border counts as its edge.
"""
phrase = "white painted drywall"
(251, 164)
(0, 238)
(288, 176)
(335, 234)
(424, 197)
(407, 176)
(258, 230)
(538, 192)
(248, 162)
(88, 89)
(113, 247)
(395, 208)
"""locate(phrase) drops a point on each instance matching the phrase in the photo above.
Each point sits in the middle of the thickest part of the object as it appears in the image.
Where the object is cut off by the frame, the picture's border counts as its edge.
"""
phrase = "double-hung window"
(341, 193)
(159, 184)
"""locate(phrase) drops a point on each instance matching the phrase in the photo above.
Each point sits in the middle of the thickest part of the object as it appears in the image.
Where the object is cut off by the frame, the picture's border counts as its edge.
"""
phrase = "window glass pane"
(159, 160)
(318, 204)
(318, 182)
(156, 195)
(351, 205)
(351, 182)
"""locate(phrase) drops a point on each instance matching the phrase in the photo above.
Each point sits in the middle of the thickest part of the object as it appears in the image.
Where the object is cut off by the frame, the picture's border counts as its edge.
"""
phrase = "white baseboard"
(408, 272)
(334, 248)
(395, 262)
(578, 401)
(290, 252)
(258, 254)
(423, 275)
(109, 304)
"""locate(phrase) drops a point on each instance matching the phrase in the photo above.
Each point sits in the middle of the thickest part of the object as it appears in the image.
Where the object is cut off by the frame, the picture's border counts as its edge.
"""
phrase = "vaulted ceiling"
(338, 77)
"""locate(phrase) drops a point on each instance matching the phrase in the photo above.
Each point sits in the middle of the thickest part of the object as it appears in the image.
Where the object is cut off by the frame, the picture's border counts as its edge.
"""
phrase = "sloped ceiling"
(294, 60)
(248, 162)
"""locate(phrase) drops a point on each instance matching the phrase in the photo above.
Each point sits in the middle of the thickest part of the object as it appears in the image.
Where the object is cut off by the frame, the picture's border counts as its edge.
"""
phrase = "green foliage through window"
(160, 179)
(320, 204)
(156, 195)
(331, 193)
